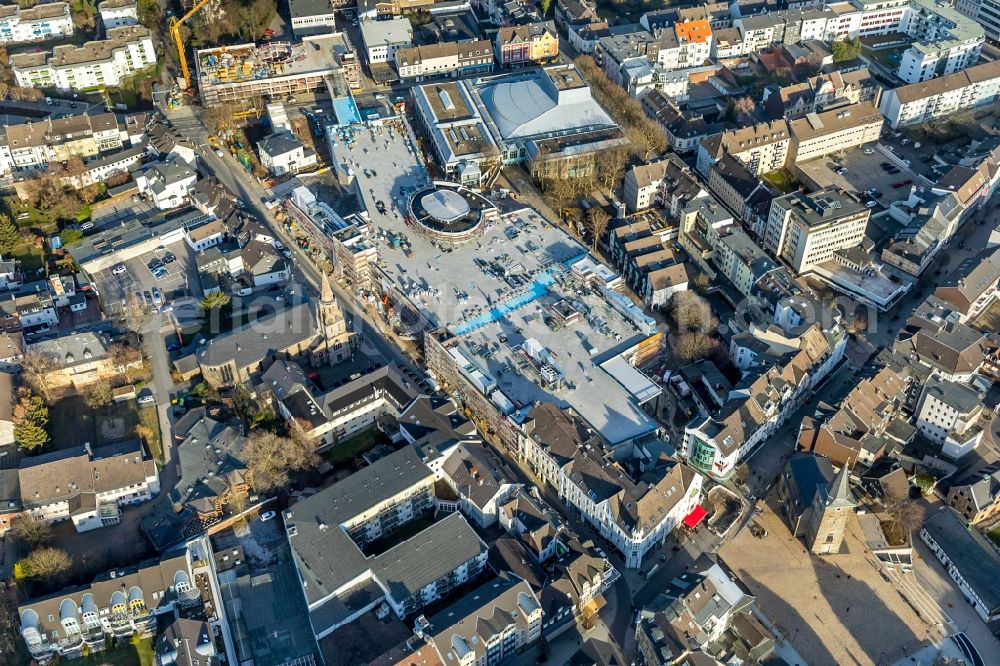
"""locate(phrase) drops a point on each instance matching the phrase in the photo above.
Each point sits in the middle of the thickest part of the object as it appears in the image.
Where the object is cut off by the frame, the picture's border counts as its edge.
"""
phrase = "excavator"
(175, 30)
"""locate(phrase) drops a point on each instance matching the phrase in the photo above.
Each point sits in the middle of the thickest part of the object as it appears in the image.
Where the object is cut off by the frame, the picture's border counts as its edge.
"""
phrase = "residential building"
(685, 129)
(264, 265)
(941, 97)
(452, 59)
(934, 341)
(119, 603)
(35, 24)
(762, 148)
(977, 496)
(985, 12)
(806, 229)
(310, 17)
(477, 476)
(373, 502)
(383, 38)
(740, 191)
(698, 614)
(945, 41)
(31, 146)
(283, 152)
(948, 414)
(532, 43)
(167, 183)
(668, 183)
(821, 134)
(76, 359)
(717, 443)
(187, 643)
(822, 92)
(970, 561)
(579, 465)
(87, 486)
(125, 51)
(11, 351)
(116, 13)
(536, 526)
(488, 625)
(973, 286)
(206, 483)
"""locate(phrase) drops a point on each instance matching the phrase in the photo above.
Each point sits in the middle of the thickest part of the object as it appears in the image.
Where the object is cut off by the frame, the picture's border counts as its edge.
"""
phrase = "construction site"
(274, 70)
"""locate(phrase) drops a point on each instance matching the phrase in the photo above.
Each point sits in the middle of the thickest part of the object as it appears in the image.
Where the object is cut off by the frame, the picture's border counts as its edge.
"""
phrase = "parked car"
(148, 298)
(157, 297)
(267, 515)
(173, 346)
(869, 151)
(169, 258)
(146, 399)
(219, 153)
(118, 269)
(154, 263)
(245, 291)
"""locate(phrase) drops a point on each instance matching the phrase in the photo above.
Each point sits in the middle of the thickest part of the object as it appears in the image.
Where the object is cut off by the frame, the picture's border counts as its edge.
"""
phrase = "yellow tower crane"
(175, 30)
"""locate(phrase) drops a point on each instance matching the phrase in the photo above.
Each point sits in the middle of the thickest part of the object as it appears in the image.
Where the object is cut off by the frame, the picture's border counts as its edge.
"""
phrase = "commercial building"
(949, 414)
(546, 118)
(124, 51)
(310, 17)
(240, 72)
(971, 562)
(821, 134)
(532, 43)
(383, 38)
(636, 516)
(374, 503)
(973, 286)
(806, 229)
(41, 22)
(717, 443)
(452, 59)
(938, 98)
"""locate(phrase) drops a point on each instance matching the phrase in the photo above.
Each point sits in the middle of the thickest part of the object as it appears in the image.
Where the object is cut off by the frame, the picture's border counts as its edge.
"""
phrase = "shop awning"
(696, 516)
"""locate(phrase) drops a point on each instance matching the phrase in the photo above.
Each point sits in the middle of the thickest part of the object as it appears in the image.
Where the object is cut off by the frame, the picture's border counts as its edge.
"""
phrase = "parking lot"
(117, 288)
(864, 172)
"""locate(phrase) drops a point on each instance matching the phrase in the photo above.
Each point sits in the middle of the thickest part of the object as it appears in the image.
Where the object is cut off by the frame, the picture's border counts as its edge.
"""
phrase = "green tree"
(846, 49)
(44, 563)
(215, 300)
(70, 237)
(546, 6)
(30, 418)
(10, 237)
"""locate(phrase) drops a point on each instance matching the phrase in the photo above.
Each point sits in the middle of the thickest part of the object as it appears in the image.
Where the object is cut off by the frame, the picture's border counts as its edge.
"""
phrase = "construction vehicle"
(175, 30)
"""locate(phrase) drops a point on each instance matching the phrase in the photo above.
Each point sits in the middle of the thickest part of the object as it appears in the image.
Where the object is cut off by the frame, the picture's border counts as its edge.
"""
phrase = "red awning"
(695, 517)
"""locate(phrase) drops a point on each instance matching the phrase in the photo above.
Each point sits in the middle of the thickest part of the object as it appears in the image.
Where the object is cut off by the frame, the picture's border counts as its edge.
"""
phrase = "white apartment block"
(39, 23)
(946, 41)
(126, 51)
(116, 13)
(806, 229)
(30, 146)
(821, 134)
(451, 59)
(762, 148)
(948, 413)
(985, 12)
(924, 102)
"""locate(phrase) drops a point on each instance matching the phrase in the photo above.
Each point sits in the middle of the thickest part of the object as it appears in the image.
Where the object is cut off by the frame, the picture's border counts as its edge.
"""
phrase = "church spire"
(838, 493)
(326, 291)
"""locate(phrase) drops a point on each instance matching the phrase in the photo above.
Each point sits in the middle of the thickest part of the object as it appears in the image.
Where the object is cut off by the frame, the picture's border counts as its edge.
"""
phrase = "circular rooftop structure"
(445, 206)
(449, 212)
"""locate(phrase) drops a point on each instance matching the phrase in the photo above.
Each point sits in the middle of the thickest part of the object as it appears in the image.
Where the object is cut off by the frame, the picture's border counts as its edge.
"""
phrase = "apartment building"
(762, 148)
(375, 502)
(820, 134)
(976, 496)
(668, 183)
(924, 102)
(478, 477)
(531, 43)
(716, 444)
(115, 13)
(985, 12)
(451, 59)
(383, 38)
(125, 51)
(118, 604)
(635, 516)
(41, 22)
(87, 486)
(488, 625)
(31, 146)
(283, 152)
(948, 414)
(945, 41)
(973, 285)
(806, 229)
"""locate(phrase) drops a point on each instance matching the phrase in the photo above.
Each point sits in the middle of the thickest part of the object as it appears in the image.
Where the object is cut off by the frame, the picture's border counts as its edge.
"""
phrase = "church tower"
(336, 343)
(832, 507)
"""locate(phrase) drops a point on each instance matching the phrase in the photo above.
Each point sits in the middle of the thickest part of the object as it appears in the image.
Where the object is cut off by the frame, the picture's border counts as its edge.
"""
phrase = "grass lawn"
(72, 423)
(32, 258)
(994, 535)
(128, 654)
(783, 180)
(352, 447)
(149, 417)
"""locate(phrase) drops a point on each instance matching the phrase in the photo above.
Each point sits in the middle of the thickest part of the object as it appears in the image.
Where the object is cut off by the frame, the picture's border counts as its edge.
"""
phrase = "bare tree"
(31, 530)
(700, 283)
(691, 312)
(97, 395)
(271, 458)
(695, 345)
(744, 110)
(597, 222)
(903, 512)
(611, 167)
(123, 355)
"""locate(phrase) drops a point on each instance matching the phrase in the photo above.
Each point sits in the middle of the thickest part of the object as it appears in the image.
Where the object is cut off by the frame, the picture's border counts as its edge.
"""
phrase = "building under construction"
(274, 70)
